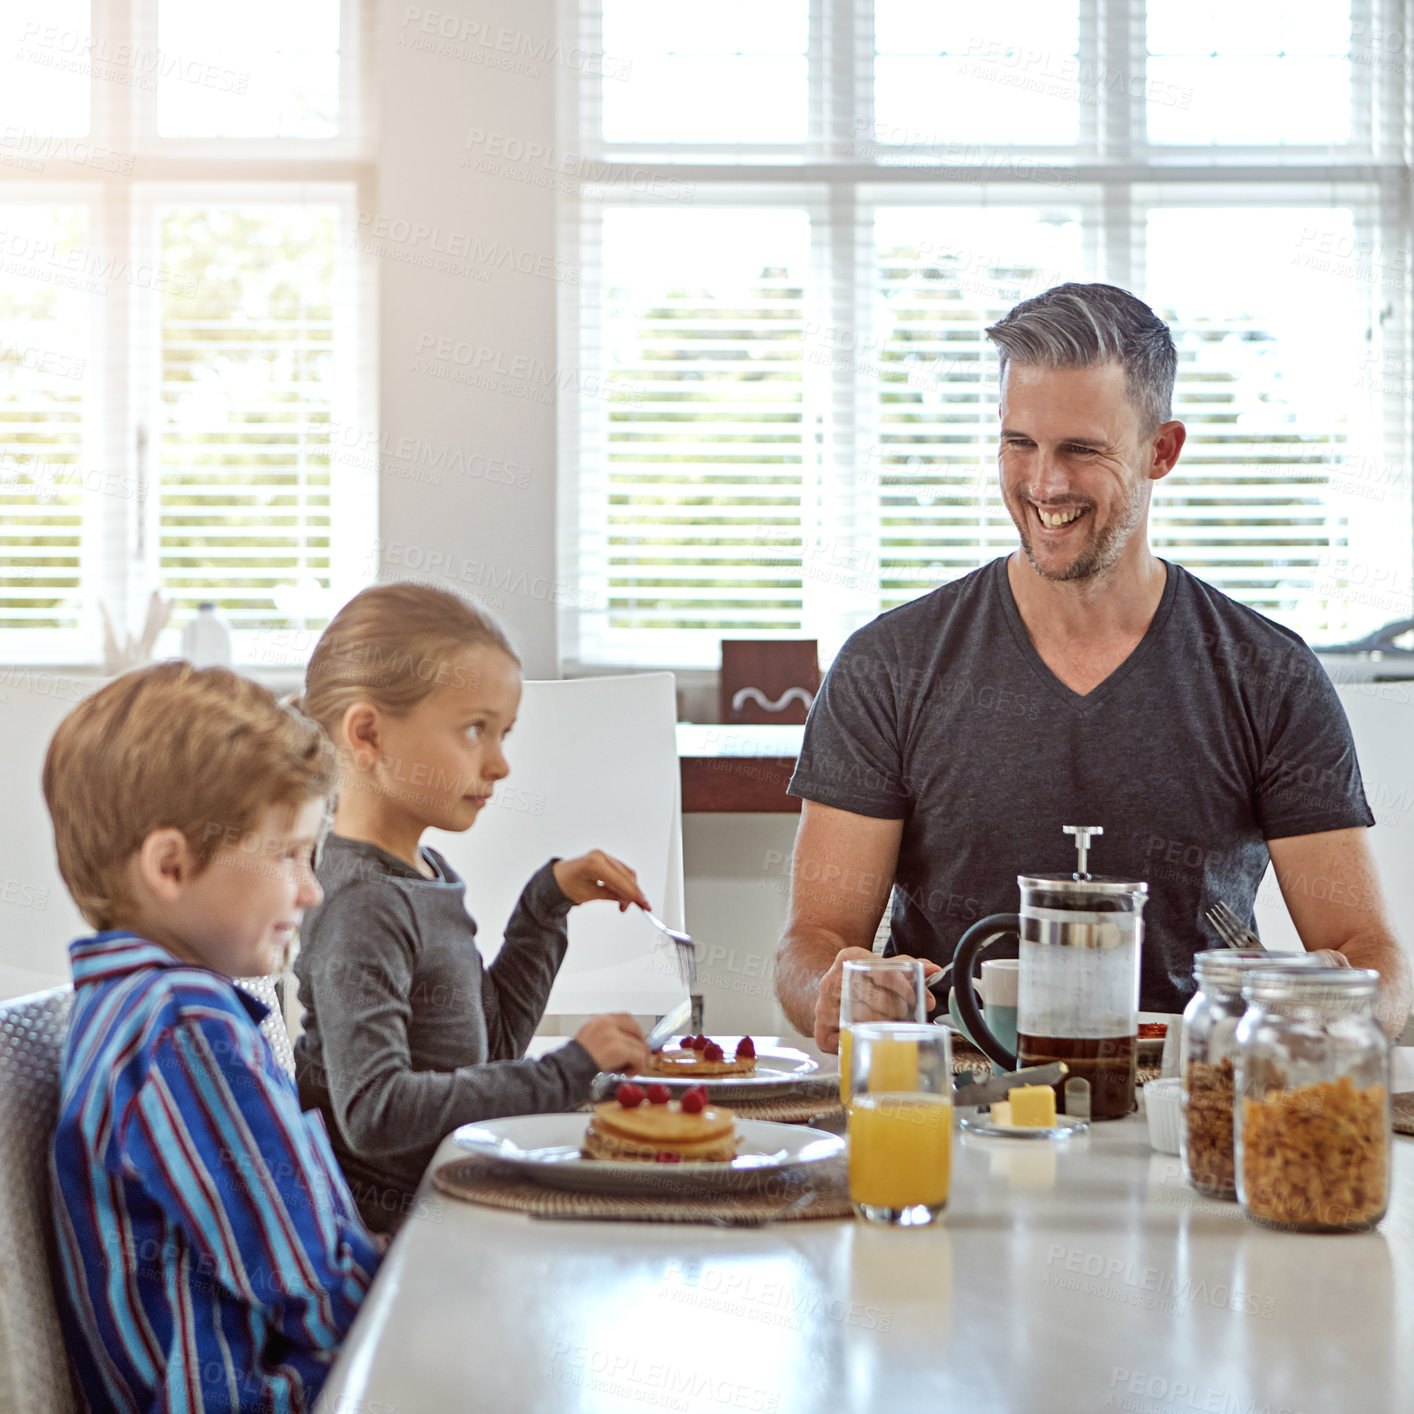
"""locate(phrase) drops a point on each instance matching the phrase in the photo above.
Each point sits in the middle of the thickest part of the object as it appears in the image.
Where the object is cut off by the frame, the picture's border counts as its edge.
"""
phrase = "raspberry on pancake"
(688, 1060)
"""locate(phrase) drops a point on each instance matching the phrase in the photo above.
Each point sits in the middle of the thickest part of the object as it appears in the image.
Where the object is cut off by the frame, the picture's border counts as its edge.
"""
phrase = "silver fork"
(685, 948)
(1231, 929)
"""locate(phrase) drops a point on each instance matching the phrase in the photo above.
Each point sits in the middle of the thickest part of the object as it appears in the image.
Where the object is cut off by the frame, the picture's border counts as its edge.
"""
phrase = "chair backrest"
(594, 764)
(264, 989)
(34, 1372)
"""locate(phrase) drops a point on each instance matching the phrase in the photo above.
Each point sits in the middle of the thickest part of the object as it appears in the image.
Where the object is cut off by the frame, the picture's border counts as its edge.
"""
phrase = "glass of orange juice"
(900, 1121)
(878, 989)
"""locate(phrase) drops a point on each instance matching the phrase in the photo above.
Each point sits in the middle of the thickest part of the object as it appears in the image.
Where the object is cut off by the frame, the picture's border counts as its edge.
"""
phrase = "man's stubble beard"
(1104, 551)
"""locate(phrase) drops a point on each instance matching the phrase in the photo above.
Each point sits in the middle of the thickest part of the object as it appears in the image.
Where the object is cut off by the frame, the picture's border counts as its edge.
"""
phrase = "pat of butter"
(1001, 1112)
(1032, 1106)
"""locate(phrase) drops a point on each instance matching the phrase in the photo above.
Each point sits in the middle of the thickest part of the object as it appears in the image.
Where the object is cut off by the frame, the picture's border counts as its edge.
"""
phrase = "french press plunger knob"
(1082, 835)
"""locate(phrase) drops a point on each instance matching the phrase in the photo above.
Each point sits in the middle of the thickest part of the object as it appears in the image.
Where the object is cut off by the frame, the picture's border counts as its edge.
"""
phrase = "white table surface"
(1078, 1277)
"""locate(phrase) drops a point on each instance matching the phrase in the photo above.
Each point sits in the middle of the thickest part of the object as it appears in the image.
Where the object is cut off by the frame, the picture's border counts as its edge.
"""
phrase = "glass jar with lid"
(1312, 1121)
(1206, 1056)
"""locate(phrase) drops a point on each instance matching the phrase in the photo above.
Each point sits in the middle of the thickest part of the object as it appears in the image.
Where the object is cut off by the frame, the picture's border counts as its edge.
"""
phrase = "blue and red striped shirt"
(212, 1256)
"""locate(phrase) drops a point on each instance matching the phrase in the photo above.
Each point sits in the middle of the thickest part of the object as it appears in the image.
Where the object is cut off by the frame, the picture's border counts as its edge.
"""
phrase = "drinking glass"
(878, 989)
(900, 1122)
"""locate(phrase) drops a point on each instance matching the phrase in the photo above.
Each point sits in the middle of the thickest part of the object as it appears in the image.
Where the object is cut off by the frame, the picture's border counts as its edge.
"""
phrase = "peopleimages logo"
(500, 47)
(457, 252)
(136, 65)
(37, 150)
(540, 164)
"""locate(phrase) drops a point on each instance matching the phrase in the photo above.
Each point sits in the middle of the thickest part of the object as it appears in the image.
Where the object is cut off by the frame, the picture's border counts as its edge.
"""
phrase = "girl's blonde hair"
(393, 645)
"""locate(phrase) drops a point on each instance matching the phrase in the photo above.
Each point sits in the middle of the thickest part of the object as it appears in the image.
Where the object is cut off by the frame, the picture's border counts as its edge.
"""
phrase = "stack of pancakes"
(681, 1061)
(645, 1131)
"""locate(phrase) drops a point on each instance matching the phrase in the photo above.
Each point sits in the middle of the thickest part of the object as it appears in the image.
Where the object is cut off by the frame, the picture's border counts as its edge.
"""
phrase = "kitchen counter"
(735, 768)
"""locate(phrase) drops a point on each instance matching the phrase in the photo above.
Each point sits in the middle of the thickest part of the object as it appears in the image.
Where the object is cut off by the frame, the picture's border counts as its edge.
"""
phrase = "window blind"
(1096, 143)
(173, 353)
(45, 420)
(249, 319)
(1269, 387)
(702, 425)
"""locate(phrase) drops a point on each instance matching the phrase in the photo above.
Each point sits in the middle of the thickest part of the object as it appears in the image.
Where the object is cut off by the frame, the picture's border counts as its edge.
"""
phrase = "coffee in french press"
(1078, 980)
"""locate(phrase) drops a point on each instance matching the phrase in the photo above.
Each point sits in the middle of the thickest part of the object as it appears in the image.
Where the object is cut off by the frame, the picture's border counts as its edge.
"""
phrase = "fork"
(683, 945)
(1231, 929)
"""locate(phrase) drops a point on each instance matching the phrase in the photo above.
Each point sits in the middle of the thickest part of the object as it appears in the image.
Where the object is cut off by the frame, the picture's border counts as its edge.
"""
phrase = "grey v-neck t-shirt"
(1221, 731)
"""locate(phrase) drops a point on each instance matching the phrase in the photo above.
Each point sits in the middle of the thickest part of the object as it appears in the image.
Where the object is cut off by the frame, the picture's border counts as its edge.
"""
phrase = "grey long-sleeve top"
(407, 1033)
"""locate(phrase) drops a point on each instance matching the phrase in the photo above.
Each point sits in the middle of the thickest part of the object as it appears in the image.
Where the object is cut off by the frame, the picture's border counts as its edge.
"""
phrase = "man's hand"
(885, 998)
(598, 875)
(616, 1042)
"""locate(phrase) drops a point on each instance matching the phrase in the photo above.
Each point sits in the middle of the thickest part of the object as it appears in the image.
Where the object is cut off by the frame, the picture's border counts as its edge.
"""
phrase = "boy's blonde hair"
(393, 645)
(204, 751)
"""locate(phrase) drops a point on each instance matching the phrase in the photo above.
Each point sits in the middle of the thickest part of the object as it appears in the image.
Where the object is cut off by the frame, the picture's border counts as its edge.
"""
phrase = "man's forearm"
(804, 956)
(1381, 951)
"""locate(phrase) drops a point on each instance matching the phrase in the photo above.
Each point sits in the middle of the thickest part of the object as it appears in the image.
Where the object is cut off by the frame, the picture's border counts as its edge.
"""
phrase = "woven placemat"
(1402, 1104)
(780, 1197)
(799, 1107)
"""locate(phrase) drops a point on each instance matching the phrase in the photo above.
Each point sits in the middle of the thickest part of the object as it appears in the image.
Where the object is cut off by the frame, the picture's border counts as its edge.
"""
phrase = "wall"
(469, 280)
(737, 883)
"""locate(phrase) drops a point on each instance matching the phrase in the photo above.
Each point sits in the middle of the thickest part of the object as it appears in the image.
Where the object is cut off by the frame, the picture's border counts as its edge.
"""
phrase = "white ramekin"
(1164, 1112)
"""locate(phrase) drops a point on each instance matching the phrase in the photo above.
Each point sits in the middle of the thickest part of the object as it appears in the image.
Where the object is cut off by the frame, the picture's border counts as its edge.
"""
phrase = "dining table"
(1064, 1275)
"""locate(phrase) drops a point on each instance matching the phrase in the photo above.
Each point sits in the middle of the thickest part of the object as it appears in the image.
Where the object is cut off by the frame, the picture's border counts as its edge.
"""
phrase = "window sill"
(278, 680)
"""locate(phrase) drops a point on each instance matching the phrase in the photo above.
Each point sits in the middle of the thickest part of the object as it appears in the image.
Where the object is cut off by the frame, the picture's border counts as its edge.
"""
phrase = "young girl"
(406, 1033)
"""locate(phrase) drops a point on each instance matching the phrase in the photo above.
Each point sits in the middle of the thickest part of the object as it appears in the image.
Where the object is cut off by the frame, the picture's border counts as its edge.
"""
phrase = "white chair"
(1380, 716)
(34, 1371)
(594, 764)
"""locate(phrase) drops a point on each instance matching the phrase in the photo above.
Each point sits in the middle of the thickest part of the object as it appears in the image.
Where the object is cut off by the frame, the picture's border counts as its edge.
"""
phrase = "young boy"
(212, 1257)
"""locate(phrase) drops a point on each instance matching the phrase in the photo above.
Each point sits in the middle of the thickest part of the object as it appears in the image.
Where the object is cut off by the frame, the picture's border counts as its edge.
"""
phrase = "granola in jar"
(1317, 1156)
(1207, 1122)
(1207, 1047)
(1312, 1124)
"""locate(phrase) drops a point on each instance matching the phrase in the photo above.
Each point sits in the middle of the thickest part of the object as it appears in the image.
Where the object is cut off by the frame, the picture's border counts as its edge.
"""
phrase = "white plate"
(1063, 1128)
(545, 1148)
(779, 1069)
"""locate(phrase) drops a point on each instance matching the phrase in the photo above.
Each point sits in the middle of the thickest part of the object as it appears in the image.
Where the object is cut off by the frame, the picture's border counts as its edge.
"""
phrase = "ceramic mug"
(998, 989)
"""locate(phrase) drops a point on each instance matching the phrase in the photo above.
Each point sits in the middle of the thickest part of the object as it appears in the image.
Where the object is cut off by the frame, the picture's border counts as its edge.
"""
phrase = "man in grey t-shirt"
(1080, 680)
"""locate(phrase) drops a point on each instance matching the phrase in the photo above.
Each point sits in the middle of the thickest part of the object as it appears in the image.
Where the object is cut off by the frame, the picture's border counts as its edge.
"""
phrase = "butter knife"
(984, 1092)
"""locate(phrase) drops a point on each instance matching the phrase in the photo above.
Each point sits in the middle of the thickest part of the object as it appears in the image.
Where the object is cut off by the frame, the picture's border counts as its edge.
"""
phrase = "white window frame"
(839, 174)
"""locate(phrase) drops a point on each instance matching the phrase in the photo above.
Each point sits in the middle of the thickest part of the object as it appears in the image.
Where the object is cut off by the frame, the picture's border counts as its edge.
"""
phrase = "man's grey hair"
(1079, 326)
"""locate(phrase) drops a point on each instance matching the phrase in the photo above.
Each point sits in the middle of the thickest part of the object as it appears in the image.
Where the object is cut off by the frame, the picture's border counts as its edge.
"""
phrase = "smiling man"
(1078, 680)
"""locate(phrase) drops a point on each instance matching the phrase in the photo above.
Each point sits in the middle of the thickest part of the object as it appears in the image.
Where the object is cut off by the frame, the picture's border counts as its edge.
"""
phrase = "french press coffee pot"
(1077, 982)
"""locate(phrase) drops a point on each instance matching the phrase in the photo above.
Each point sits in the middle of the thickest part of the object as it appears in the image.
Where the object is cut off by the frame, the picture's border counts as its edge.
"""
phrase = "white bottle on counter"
(206, 640)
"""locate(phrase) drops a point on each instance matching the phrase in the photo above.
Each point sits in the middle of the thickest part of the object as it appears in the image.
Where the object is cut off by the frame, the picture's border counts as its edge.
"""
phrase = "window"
(787, 279)
(175, 352)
